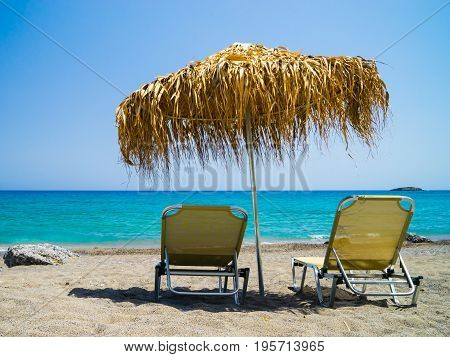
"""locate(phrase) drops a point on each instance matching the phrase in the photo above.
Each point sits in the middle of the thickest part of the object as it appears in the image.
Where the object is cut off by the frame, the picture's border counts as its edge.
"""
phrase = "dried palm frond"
(200, 111)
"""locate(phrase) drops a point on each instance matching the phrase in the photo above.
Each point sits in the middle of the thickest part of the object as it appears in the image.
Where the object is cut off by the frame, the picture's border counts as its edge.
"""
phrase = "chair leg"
(236, 297)
(236, 287)
(157, 282)
(393, 291)
(294, 279)
(294, 282)
(319, 290)
(302, 284)
(244, 287)
(364, 286)
(236, 279)
(415, 296)
(220, 284)
(225, 283)
(318, 287)
(414, 299)
(333, 292)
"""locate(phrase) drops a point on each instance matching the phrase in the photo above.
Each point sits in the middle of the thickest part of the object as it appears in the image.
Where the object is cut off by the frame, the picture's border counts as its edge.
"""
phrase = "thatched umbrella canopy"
(250, 98)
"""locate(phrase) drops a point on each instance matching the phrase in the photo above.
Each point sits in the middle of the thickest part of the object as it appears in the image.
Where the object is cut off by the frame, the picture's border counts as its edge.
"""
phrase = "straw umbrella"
(249, 99)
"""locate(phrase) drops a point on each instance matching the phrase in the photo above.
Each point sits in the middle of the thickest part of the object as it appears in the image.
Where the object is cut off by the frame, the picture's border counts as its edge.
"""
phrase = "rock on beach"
(36, 254)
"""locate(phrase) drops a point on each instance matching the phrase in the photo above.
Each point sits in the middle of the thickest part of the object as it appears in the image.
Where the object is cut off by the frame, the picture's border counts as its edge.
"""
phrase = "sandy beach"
(109, 292)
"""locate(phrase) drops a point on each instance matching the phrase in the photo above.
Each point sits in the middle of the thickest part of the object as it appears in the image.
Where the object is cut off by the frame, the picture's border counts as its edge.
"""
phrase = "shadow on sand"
(298, 303)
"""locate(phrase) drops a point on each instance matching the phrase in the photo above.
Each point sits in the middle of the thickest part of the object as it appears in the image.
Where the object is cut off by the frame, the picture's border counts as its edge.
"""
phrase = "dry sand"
(110, 293)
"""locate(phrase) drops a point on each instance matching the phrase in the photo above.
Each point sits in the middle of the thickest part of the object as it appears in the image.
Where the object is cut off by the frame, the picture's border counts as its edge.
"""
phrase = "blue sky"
(57, 124)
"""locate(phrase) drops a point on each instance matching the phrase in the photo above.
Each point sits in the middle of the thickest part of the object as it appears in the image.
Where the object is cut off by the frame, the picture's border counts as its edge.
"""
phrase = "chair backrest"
(368, 232)
(202, 235)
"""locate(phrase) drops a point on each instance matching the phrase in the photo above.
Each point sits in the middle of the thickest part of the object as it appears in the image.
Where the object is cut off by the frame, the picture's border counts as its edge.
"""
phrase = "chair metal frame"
(350, 279)
(229, 271)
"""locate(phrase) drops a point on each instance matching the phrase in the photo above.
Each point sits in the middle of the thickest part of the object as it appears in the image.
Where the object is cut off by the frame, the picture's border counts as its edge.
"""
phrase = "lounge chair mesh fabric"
(202, 236)
(366, 234)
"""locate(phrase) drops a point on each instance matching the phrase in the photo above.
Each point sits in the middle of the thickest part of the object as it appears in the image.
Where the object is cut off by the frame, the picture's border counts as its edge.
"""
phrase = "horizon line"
(259, 190)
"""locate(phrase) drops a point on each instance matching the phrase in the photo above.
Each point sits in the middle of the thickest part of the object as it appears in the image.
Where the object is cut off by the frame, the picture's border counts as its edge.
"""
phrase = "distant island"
(408, 188)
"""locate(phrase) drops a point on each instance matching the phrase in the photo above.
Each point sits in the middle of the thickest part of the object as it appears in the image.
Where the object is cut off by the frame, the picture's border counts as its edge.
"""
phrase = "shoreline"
(245, 245)
(145, 244)
(246, 248)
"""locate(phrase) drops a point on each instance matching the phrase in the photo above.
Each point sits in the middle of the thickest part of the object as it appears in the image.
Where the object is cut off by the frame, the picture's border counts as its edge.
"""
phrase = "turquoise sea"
(111, 218)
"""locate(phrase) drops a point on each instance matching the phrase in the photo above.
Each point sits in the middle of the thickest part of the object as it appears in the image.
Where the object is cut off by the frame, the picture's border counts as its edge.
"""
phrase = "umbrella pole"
(255, 202)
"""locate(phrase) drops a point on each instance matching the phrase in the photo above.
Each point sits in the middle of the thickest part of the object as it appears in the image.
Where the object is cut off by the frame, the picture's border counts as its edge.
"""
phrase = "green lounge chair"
(367, 235)
(201, 237)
